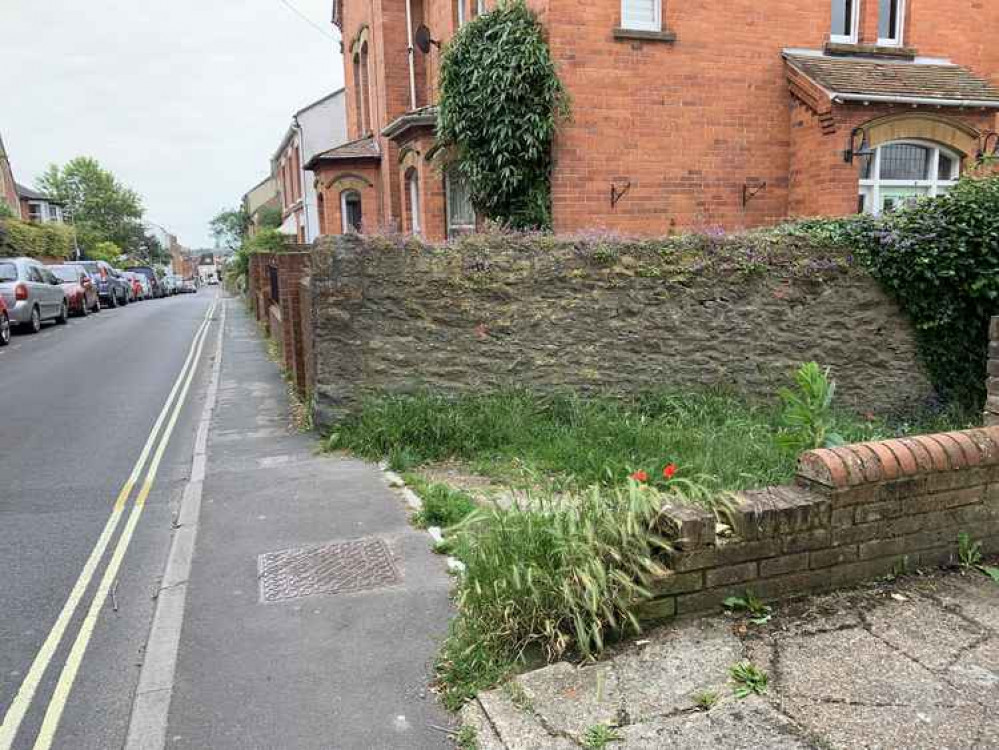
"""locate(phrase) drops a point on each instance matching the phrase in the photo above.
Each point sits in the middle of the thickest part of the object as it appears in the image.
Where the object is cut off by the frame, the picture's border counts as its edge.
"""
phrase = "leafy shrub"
(35, 240)
(940, 258)
(442, 505)
(499, 106)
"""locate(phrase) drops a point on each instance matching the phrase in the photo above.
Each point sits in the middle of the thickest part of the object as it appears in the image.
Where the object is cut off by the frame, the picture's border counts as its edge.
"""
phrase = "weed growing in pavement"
(554, 575)
(705, 700)
(599, 736)
(991, 571)
(467, 738)
(969, 553)
(748, 679)
(518, 696)
(442, 505)
(754, 607)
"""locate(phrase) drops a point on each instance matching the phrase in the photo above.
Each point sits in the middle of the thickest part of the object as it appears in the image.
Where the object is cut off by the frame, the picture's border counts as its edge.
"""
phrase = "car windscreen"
(66, 273)
(8, 272)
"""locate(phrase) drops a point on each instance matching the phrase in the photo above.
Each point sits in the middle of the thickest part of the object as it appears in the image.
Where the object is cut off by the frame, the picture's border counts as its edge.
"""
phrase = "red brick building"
(685, 114)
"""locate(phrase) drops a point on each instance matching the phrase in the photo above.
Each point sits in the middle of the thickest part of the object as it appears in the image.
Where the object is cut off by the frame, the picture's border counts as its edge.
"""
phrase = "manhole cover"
(357, 565)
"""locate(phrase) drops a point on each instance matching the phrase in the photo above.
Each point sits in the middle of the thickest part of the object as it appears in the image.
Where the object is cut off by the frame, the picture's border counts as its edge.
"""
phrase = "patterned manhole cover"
(337, 568)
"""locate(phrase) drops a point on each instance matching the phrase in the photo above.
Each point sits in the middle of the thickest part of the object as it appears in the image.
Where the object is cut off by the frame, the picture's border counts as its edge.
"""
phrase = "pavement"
(77, 403)
(313, 608)
(910, 664)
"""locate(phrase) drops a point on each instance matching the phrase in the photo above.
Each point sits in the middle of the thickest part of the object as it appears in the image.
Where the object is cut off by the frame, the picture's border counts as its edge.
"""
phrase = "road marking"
(22, 701)
(57, 704)
(151, 705)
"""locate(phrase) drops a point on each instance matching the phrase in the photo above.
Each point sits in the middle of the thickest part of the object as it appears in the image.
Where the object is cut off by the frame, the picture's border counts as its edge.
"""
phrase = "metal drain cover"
(341, 567)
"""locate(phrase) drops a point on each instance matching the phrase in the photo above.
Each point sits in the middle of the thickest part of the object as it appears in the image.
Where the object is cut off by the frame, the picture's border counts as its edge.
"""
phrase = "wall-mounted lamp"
(988, 145)
(853, 150)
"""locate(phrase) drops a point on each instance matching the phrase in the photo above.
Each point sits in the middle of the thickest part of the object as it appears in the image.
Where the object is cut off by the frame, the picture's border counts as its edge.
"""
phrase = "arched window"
(413, 200)
(458, 203)
(350, 211)
(321, 212)
(901, 171)
(358, 97)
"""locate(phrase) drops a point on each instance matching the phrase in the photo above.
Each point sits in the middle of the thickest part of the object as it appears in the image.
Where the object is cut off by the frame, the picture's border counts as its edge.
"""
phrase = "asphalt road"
(77, 404)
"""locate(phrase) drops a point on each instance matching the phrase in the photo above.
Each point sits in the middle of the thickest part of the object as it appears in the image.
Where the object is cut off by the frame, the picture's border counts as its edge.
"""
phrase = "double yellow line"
(26, 693)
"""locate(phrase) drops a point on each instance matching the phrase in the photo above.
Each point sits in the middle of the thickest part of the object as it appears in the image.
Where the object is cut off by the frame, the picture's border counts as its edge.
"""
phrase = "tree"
(228, 228)
(106, 251)
(103, 209)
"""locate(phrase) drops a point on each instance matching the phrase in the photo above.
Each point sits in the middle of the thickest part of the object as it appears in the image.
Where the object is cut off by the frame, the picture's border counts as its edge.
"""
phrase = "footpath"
(909, 664)
(313, 608)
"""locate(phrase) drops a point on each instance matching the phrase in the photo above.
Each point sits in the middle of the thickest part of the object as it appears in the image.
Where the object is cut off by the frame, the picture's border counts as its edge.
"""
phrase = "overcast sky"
(184, 100)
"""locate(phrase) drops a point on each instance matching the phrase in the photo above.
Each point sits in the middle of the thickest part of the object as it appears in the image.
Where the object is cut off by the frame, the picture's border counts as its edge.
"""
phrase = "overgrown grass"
(443, 506)
(554, 576)
(710, 436)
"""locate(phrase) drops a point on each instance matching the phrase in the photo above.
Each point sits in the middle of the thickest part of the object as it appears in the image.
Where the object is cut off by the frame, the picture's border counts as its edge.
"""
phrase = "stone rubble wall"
(402, 317)
(856, 513)
(992, 383)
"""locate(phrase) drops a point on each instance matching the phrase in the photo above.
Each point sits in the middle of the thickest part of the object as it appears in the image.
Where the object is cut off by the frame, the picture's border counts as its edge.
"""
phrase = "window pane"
(945, 171)
(842, 17)
(888, 19)
(903, 161)
(638, 14)
(460, 214)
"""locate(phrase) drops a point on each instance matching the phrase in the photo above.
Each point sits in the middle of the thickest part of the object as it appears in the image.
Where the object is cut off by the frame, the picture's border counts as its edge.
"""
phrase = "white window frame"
(453, 229)
(345, 226)
(900, 31)
(655, 25)
(854, 35)
(871, 188)
(413, 188)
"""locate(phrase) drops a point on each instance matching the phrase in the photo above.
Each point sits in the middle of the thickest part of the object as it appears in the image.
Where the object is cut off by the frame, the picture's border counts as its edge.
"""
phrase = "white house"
(316, 128)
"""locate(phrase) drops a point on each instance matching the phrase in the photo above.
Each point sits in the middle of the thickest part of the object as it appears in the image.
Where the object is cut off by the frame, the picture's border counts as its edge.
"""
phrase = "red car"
(4, 323)
(81, 293)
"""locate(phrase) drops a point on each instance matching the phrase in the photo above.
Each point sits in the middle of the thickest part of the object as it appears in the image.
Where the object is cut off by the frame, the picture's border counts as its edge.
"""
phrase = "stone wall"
(992, 383)
(590, 314)
(856, 513)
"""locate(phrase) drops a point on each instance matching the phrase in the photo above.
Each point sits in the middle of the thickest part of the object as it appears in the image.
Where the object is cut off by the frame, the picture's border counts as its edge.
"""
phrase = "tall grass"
(592, 440)
(555, 575)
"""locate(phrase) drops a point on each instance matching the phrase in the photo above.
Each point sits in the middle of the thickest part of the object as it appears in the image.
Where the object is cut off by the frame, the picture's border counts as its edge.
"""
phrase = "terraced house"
(685, 114)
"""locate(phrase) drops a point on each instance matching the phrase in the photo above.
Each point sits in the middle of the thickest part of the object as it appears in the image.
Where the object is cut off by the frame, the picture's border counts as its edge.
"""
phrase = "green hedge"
(35, 240)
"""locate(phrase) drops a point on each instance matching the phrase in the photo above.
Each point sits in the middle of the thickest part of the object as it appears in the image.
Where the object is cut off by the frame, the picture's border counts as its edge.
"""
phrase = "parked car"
(111, 287)
(32, 294)
(173, 283)
(136, 290)
(188, 286)
(150, 274)
(4, 323)
(81, 292)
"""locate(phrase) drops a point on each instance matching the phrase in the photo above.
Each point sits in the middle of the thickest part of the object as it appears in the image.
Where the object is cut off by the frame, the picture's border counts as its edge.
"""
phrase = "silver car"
(32, 293)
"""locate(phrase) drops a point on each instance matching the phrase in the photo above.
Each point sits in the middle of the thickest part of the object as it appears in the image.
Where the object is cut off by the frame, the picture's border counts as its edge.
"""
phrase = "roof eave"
(407, 122)
(840, 98)
(318, 159)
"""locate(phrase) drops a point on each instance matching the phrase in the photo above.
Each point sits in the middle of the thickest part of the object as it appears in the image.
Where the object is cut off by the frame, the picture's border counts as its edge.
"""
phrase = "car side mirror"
(55, 282)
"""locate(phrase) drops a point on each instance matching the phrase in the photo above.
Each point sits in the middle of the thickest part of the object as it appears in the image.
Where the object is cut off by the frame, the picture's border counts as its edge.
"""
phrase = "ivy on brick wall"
(500, 102)
(939, 257)
(19, 238)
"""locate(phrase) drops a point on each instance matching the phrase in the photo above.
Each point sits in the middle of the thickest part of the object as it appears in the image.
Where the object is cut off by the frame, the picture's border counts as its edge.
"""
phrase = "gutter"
(915, 100)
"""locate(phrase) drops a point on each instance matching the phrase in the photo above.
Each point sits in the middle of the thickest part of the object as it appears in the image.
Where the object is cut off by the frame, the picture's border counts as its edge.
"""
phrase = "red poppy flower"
(669, 471)
(640, 476)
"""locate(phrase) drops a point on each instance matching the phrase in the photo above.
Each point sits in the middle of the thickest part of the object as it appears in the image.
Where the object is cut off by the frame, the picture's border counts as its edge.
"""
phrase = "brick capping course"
(856, 512)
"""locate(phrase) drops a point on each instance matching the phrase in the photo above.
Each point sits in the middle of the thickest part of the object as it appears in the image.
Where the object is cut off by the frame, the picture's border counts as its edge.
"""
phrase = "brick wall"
(551, 314)
(292, 267)
(992, 384)
(856, 513)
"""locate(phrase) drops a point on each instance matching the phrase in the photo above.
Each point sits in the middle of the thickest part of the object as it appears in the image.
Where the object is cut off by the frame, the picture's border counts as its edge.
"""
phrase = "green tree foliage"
(229, 227)
(939, 257)
(501, 100)
(102, 208)
(269, 217)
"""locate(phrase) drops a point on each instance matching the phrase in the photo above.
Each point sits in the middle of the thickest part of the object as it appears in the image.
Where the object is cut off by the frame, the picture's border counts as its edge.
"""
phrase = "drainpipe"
(412, 64)
(301, 174)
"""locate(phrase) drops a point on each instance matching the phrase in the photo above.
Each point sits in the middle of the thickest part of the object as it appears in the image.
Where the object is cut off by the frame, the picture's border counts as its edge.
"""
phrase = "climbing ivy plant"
(500, 103)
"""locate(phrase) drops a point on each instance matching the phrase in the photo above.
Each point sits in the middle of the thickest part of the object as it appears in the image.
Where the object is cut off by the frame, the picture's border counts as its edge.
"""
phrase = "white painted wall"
(323, 126)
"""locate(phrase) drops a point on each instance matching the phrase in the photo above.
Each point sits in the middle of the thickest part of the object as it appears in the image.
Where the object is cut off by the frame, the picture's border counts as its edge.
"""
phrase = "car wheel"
(84, 310)
(36, 320)
(4, 329)
(63, 318)
(97, 304)
(114, 299)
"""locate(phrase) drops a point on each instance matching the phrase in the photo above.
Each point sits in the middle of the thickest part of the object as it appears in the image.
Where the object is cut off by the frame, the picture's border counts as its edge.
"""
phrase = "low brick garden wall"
(556, 313)
(856, 513)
